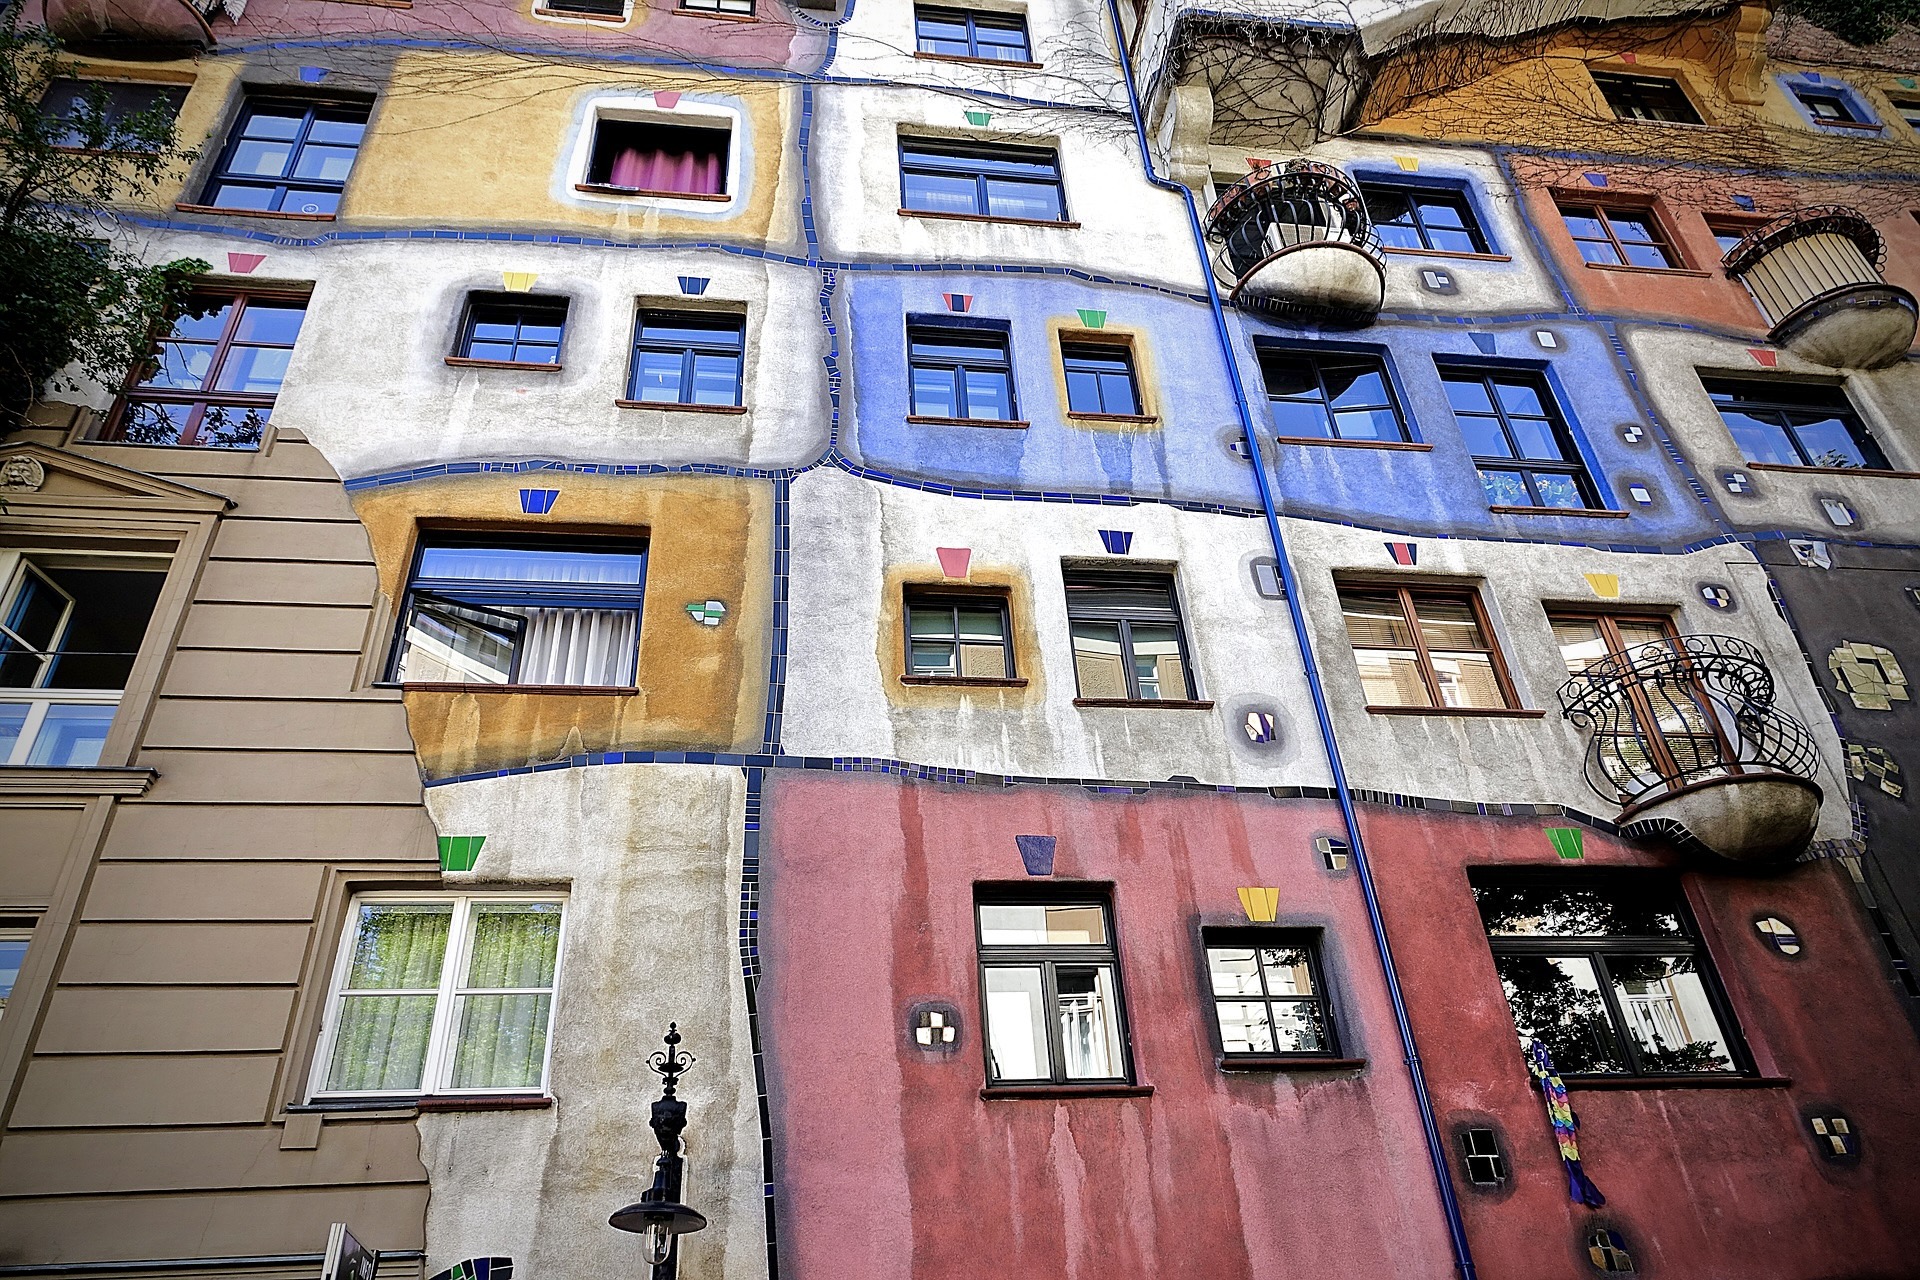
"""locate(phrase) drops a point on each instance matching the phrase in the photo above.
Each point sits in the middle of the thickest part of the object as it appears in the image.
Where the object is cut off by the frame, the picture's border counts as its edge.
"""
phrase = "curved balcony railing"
(1674, 714)
(1295, 239)
(158, 25)
(1815, 274)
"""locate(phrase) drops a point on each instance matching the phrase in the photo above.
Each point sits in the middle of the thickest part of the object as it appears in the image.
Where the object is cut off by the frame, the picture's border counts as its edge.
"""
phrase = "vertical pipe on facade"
(1436, 1148)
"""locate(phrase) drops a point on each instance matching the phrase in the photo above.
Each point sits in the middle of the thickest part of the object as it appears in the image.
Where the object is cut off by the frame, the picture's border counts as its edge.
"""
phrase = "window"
(106, 115)
(548, 611)
(963, 637)
(1050, 992)
(1608, 973)
(442, 995)
(960, 374)
(13, 954)
(1429, 218)
(1646, 98)
(1100, 379)
(589, 8)
(1515, 433)
(513, 330)
(1673, 735)
(687, 357)
(1794, 424)
(70, 627)
(1827, 107)
(1480, 1149)
(1423, 647)
(1909, 110)
(1268, 999)
(1618, 237)
(1330, 397)
(1728, 233)
(639, 157)
(289, 157)
(212, 379)
(990, 182)
(960, 33)
(739, 8)
(1607, 1250)
(1127, 640)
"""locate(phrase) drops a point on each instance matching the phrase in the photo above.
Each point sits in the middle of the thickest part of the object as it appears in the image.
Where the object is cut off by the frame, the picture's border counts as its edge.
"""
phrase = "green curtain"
(502, 1032)
(386, 1013)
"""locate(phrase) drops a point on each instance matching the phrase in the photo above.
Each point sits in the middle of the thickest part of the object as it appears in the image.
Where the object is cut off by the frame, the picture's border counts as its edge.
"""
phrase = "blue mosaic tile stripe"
(777, 657)
(749, 940)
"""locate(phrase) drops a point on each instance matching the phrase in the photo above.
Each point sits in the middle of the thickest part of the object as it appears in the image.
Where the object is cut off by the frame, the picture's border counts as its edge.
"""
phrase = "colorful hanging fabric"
(1579, 1186)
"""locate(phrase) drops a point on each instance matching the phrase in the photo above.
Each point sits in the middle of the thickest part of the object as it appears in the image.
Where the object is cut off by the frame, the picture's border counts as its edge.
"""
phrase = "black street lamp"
(660, 1219)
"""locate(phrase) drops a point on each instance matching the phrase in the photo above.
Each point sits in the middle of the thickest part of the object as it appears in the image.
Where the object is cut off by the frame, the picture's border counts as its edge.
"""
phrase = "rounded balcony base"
(1747, 819)
(1865, 326)
(130, 27)
(1321, 280)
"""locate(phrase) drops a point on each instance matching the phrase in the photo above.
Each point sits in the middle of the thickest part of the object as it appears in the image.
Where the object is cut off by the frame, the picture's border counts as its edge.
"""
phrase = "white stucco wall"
(1070, 39)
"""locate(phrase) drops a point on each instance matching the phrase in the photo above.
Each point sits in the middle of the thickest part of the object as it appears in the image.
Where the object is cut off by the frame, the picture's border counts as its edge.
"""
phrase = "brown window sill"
(985, 217)
(1677, 1082)
(681, 408)
(183, 207)
(1599, 512)
(1287, 1062)
(1012, 1092)
(1862, 126)
(612, 19)
(1882, 472)
(382, 4)
(975, 62)
(1011, 424)
(1442, 253)
(600, 188)
(1111, 417)
(485, 1102)
(433, 686)
(962, 682)
(1512, 713)
(1412, 446)
(1650, 271)
(468, 362)
(1168, 704)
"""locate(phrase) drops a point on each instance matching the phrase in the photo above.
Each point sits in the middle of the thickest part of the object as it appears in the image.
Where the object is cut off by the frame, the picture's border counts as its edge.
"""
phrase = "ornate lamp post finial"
(659, 1217)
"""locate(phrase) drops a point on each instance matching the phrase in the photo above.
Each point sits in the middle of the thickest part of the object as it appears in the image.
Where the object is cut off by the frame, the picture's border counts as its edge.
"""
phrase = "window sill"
(1597, 512)
(1677, 1082)
(468, 362)
(1849, 126)
(433, 686)
(1112, 417)
(485, 1102)
(182, 207)
(1411, 446)
(963, 682)
(1021, 1092)
(602, 189)
(74, 780)
(1442, 253)
(1009, 424)
(682, 408)
(987, 217)
(1512, 713)
(1287, 1062)
(611, 19)
(1650, 271)
(1881, 472)
(975, 62)
(1168, 704)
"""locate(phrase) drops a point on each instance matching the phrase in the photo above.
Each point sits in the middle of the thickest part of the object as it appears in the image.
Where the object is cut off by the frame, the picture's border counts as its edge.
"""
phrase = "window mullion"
(1615, 1013)
(1427, 672)
(433, 1077)
(1056, 1043)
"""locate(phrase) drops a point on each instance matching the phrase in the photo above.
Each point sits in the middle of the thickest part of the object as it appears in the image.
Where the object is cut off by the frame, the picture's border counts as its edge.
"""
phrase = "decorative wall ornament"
(1547, 338)
(1036, 853)
(708, 613)
(1834, 1136)
(312, 75)
(537, 502)
(1877, 766)
(1260, 904)
(1839, 513)
(1604, 585)
(517, 281)
(1434, 280)
(1913, 594)
(666, 99)
(1633, 432)
(244, 264)
(954, 561)
(1091, 318)
(1261, 727)
(459, 853)
(1333, 853)
(1640, 494)
(958, 303)
(1717, 597)
(1484, 341)
(1118, 542)
(1779, 935)
(694, 286)
(1267, 582)
(478, 1269)
(22, 474)
(1570, 843)
(1407, 553)
(1410, 163)
(1595, 179)
(1868, 674)
(1763, 357)
(979, 119)
(1255, 163)
(1737, 481)
(1810, 554)
(1607, 1250)
(1742, 202)
(934, 1025)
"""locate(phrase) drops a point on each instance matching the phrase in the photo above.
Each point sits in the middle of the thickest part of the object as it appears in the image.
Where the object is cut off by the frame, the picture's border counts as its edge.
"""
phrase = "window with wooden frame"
(505, 328)
(1619, 236)
(694, 358)
(441, 994)
(1608, 972)
(1659, 99)
(1050, 990)
(1424, 647)
(732, 8)
(1426, 219)
(1100, 379)
(1673, 736)
(970, 180)
(1794, 424)
(1128, 644)
(213, 376)
(954, 637)
(1728, 232)
(1331, 396)
(1519, 439)
(102, 115)
(491, 609)
(1269, 1000)
(288, 157)
(973, 34)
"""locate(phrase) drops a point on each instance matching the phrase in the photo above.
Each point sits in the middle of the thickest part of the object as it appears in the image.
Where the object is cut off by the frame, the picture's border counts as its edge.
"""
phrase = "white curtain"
(578, 646)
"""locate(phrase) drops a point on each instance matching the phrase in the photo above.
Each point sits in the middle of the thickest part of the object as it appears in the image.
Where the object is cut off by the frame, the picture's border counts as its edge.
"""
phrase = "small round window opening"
(1780, 935)
(1607, 1249)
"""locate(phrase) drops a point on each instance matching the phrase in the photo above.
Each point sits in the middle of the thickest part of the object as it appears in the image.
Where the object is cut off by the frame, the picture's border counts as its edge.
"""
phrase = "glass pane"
(1506, 489)
(312, 202)
(982, 624)
(1484, 437)
(941, 192)
(204, 320)
(1116, 394)
(181, 364)
(1585, 226)
(1368, 424)
(1668, 1016)
(1760, 439)
(448, 644)
(1290, 376)
(13, 719)
(1234, 970)
(515, 944)
(1375, 618)
(267, 159)
(656, 376)
(1083, 391)
(235, 195)
(273, 124)
(1356, 386)
(1244, 1027)
(1447, 240)
(1647, 255)
(1307, 418)
(146, 423)
(399, 945)
(270, 324)
(502, 1042)
(1520, 398)
(1624, 909)
(931, 621)
(1634, 228)
(1017, 1024)
(342, 132)
(1289, 971)
(1076, 925)
(1598, 251)
(1581, 643)
(1829, 443)
(72, 735)
(1556, 1000)
(1010, 199)
(1089, 1023)
(1468, 395)
(1299, 1026)
(1157, 665)
(1449, 623)
(1096, 660)
(13, 954)
(1535, 438)
(716, 379)
(254, 369)
(1391, 678)
(989, 395)
(531, 564)
(682, 330)
(1558, 491)
(232, 426)
(1467, 680)
(324, 164)
(35, 616)
(936, 393)
(381, 1043)
(933, 659)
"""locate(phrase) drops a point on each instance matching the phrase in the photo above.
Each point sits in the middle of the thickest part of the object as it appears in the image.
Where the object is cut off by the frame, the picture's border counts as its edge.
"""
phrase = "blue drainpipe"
(1436, 1147)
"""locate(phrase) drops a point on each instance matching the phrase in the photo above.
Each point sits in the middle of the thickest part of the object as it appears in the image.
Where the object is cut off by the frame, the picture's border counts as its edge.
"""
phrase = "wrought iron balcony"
(138, 26)
(1295, 240)
(1816, 275)
(1685, 737)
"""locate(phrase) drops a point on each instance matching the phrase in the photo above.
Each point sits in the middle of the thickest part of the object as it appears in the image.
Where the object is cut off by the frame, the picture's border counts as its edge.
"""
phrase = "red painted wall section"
(1702, 1182)
(890, 1165)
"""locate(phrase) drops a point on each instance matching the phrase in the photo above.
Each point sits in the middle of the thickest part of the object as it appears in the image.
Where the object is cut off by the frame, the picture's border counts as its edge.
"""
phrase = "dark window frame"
(1410, 594)
(1080, 611)
(286, 185)
(1216, 937)
(197, 402)
(688, 351)
(602, 155)
(974, 335)
(1663, 238)
(1719, 224)
(1050, 957)
(1644, 98)
(947, 158)
(726, 8)
(1320, 360)
(1908, 109)
(1849, 117)
(972, 19)
(1493, 1162)
(119, 107)
(1873, 457)
(1690, 942)
(522, 304)
(1090, 351)
(1572, 464)
(1375, 191)
(932, 598)
(600, 9)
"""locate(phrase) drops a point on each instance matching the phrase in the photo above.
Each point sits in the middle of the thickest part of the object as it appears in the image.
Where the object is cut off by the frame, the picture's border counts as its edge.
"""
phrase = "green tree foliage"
(69, 296)
(1861, 22)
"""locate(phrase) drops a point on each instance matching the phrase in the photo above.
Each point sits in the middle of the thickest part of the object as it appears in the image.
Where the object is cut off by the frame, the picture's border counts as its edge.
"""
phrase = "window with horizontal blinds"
(1105, 595)
(1128, 645)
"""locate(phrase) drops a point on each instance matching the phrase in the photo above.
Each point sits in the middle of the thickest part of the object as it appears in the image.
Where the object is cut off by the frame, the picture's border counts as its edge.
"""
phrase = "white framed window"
(442, 994)
(632, 148)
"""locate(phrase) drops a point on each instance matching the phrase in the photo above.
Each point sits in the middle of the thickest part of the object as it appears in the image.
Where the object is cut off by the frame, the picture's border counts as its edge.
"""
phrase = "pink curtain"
(691, 172)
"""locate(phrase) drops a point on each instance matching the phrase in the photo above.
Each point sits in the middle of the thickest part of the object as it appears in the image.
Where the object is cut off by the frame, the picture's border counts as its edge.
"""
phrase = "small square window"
(687, 357)
(958, 637)
(1655, 98)
(738, 8)
(1909, 109)
(960, 374)
(1616, 236)
(513, 330)
(1827, 107)
(1480, 1149)
(1050, 992)
(1128, 644)
(72, 104)
(587, 8)
(1332, 396)
(1100, 379)
(643, 157)
(1433, 219)
(964, 33)
(1268, 997)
